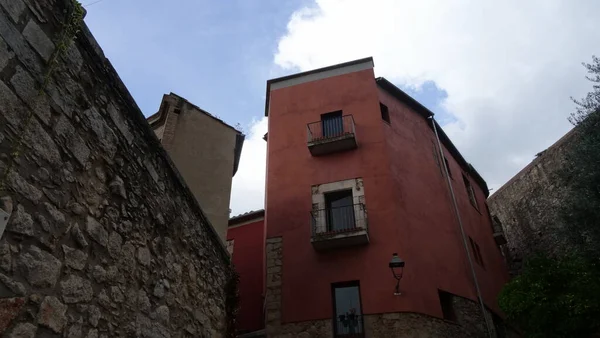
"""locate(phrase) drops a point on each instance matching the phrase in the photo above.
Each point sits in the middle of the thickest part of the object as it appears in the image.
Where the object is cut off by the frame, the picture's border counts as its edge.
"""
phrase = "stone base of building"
(389, 325)
(468, 321)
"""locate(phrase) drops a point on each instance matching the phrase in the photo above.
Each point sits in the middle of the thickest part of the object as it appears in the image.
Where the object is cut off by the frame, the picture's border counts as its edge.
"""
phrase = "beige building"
(206, 152)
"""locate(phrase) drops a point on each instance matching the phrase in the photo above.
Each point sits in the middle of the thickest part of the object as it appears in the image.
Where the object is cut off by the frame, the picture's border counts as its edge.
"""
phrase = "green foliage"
(560, 297)
(554, 298)
(70, 29)
(581, 208)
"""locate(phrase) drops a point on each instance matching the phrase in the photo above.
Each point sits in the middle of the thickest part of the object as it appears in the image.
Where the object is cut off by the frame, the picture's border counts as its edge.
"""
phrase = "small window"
(347, 315)
(476, 252)
(470, 192)
(447, 306)
(436, 157)
(385, 113)
(448, 167)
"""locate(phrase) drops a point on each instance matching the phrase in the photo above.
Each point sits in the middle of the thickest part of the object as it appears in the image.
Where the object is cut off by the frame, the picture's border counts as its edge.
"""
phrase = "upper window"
(347, 310)
(448, 167)
(385, 113)
(470, 192)
(476, 252)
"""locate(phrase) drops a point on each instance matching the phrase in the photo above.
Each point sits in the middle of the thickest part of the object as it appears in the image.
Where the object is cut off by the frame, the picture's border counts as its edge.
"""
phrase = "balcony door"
(340, 210)
(332, 124)
(348, 321)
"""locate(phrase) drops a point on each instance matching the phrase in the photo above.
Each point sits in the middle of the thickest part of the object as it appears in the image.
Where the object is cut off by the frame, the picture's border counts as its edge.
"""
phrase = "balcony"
(331, 134)
(349, 326)
(339, 227)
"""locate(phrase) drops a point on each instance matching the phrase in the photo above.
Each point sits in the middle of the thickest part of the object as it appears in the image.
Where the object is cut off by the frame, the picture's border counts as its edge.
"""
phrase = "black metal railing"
(339, 219)
(349, 326)
(330, 128)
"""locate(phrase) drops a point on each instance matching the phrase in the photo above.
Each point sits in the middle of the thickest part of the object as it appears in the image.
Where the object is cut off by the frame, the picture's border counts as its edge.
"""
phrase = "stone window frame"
(319, 191)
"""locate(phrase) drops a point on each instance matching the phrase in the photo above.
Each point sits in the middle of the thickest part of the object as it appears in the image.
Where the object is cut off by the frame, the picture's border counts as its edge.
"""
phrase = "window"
(332, 124)
(470, 192)
(385, 113)
(476, 252)
(448, 167)
(229, 246)
(436, 157)
(339, 210)
(447, 306)
(347, 312)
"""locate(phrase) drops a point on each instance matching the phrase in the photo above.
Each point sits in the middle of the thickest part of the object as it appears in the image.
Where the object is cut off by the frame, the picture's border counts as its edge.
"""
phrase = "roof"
(159, 118)
(318, 70)
(248, 216)
(426, 113)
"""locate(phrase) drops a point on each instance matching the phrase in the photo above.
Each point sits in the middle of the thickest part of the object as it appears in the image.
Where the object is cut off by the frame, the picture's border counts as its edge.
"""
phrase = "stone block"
(40, 268)
(21, 222)
(28, 90)
(5, 54)
(96, 231)
(38, 40)
(20, 185)
(76, 290)
(73, 142)
(14, 8)
(74, 258)
(23, 330)
(52, 314)
(10, 308)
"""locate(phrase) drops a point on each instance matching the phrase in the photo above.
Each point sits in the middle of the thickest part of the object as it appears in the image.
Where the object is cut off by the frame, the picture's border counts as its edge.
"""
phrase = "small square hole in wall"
(385, 113)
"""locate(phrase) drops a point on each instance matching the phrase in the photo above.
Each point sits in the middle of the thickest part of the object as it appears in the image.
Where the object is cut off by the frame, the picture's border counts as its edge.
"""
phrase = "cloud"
(508, 67)
(248, 189)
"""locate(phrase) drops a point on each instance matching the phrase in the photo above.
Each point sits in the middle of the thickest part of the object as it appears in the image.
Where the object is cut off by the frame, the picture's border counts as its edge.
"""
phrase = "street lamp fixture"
(397, 267)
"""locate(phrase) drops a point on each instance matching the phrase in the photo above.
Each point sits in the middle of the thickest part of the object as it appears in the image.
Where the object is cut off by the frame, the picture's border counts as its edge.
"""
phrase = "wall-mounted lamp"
(397, 267)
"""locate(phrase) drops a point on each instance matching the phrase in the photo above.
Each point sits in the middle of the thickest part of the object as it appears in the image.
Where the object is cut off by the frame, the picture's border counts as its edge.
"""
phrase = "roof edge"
(426, 113)
(314, 71)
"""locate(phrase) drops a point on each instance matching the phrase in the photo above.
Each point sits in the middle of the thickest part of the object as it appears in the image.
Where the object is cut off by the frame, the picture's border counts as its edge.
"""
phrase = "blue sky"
(498, 75)
(217, 54)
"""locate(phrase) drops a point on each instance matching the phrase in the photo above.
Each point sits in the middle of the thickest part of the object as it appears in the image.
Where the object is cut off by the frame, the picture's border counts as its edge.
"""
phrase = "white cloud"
(248, 189)
(508, 67)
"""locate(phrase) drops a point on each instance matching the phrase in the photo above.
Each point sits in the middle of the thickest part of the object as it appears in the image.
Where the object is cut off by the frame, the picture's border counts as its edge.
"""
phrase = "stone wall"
(526, 206)
(469, 322)
(104, 238)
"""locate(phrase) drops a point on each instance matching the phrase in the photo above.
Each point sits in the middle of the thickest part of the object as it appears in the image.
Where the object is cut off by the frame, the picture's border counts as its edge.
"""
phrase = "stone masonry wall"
(526, 206)
(469, 322)
(104, 238)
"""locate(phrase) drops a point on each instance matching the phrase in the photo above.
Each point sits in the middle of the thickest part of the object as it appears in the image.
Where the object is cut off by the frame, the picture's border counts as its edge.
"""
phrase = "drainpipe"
(462, 230)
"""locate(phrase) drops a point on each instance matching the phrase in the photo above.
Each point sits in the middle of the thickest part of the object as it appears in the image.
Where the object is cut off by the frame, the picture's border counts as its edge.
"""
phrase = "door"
(332, 124)
(348, 321)
(340, 210)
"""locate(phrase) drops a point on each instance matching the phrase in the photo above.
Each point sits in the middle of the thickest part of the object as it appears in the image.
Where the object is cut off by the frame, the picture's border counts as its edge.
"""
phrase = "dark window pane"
(333, 124)
(340, 210)
(348, 317)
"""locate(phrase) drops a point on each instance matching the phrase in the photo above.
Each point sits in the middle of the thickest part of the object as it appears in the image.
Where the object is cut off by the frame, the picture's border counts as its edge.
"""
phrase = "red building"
(246, 243)
(354, 174)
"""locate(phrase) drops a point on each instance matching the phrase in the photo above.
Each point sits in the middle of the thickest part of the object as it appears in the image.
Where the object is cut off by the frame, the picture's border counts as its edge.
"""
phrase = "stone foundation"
(468, 323)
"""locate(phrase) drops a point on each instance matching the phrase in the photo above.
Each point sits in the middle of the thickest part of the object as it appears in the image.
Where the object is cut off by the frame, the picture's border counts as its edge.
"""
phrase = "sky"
(498, 74)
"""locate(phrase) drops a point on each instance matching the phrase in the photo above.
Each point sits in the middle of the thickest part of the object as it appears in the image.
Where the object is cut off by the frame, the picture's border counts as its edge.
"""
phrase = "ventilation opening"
(385, 113)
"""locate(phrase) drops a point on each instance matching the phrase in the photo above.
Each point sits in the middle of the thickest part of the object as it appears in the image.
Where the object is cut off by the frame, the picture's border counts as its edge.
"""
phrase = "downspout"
(462, 230)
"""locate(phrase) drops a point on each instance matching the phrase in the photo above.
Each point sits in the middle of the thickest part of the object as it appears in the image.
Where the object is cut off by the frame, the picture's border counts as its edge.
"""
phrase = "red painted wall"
(248, 256)
(406, 198)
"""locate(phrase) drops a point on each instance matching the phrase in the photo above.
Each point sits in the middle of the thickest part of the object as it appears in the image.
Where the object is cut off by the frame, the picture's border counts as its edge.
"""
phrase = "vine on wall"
(70, 29)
